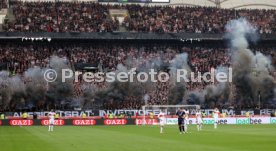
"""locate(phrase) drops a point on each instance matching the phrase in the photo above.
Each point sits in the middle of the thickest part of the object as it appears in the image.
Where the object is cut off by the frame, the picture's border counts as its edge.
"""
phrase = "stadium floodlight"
(169, 109)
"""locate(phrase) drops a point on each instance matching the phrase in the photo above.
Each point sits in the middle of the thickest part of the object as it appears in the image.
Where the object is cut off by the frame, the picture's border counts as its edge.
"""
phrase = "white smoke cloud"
(251, 72)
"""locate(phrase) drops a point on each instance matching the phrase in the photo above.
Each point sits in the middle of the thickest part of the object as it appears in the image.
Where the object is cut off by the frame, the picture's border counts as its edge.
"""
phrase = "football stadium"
(137, 75)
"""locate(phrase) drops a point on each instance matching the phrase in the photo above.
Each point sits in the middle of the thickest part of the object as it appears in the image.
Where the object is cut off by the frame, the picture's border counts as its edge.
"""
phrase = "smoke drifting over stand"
(32, 90)
(251, 78)
(251, 72)
(178, 89)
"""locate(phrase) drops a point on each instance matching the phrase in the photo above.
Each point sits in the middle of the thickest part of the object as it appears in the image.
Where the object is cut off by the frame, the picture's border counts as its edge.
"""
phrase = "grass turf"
(138, 138)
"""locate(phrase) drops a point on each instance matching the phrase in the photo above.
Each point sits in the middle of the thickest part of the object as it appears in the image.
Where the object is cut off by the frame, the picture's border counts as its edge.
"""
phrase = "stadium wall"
(169, 121)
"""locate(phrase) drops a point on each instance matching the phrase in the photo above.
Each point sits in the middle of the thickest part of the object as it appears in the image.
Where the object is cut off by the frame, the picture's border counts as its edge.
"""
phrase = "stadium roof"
(259, 4)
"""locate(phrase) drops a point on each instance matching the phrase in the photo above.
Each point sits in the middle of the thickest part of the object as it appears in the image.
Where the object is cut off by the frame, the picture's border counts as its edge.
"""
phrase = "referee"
(180, 113)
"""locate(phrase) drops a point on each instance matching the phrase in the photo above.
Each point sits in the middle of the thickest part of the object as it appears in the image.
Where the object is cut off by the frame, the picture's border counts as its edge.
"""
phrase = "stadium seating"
(107, 57)
(94, 17)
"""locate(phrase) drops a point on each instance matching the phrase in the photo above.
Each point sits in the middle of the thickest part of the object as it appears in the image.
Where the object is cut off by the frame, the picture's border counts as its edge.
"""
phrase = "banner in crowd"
(208, 112)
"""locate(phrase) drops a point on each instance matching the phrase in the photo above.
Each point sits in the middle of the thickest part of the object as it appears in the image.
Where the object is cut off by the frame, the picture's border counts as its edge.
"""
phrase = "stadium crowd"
(61, 17)
(107, 57)
(17, 58)
(94, 17)
(193, 19)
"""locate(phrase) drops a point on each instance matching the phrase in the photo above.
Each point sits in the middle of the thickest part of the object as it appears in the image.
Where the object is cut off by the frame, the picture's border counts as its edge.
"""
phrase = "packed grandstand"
(22, 57)
(77, 16)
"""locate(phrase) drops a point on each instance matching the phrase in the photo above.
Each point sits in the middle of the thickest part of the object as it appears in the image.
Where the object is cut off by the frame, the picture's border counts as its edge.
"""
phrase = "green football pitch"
(138, 138)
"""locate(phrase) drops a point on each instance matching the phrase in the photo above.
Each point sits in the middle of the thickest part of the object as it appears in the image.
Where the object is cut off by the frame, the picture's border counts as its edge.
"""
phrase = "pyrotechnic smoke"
(274, 93)
(5, 90)
(60, 92)
(178, 89)
(213, 94)
(34, 91)
(118, 91)
(14, 93)
(176, 93)
(12, 90)
(35, 86)
(89, 91)
(216, 94)
(196, 97)
(251, 71)
(179, 62)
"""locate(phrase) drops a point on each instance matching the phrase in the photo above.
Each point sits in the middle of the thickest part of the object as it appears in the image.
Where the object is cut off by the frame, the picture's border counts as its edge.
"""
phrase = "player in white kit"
(51, 116)
(199, 121)
(186, 120)
(162, 120)
(216, 116)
